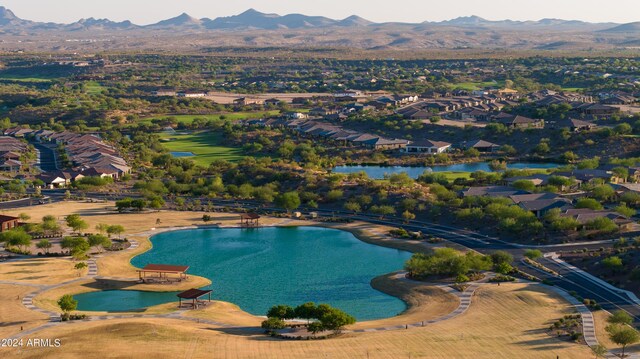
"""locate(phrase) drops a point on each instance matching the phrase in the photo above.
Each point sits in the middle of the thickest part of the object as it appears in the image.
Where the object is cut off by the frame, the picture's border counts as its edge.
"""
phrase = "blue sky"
(149, 11)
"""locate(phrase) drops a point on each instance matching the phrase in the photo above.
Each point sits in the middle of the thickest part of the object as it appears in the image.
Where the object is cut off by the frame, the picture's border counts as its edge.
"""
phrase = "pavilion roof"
(165, 268)
(193, 293)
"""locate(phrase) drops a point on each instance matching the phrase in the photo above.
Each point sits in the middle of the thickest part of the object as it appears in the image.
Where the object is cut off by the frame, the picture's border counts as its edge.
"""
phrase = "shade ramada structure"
(163, 271)
(249, 219)
(194, 295)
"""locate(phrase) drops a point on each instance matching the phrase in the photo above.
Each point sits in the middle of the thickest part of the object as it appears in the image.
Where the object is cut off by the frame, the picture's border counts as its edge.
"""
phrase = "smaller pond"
(378, 172)
(127, 300)
(182, 154)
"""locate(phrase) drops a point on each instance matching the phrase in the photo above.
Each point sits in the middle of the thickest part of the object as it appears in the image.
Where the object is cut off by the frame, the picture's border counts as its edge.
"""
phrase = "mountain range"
(253, 19)
(254, 28)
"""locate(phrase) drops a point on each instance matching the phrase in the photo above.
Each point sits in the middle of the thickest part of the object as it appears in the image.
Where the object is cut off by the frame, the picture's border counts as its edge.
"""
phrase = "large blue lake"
(378, 172)
(258, 268)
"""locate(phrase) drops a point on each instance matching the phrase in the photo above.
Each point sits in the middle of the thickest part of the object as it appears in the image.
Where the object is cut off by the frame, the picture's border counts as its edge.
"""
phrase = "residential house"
(540, 203)
(58, 179)
(619, 99)
(427, 146)
(517, 121)
(164, 92)
(574, 125)
(8, 223)
(480, 145)
(321, 112)
(191, 94)
(296, 115)
(491, 191)
(588, 175)
(381, 143)
(537, 179)
(541, 207)
(246, 101)
(586, 215)
(10, 165)
(596, 109)
(272, 102)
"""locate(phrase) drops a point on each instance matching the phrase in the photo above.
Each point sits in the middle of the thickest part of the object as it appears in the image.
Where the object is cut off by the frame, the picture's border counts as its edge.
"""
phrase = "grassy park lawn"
(572, 89)
(93, 88)
(204, 145)
(473, 86)
(24, 79)
(453, 175)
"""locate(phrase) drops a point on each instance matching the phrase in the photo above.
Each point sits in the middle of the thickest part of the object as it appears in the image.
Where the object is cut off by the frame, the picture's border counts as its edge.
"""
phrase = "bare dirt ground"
(226, 98)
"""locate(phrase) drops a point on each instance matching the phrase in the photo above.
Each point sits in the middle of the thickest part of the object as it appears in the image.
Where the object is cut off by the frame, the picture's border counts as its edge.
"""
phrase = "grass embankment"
(509, 321)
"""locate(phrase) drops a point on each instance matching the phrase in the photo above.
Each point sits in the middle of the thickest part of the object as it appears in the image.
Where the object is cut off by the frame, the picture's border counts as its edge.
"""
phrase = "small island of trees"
(324, 316)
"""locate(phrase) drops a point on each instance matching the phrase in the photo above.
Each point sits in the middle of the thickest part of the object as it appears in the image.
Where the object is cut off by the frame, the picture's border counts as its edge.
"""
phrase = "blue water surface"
(257, 268)
(182, 154)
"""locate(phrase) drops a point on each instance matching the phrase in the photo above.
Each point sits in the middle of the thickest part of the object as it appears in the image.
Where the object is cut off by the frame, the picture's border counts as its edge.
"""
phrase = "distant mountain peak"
(630, 27)
(354, 20)
(467, 20)
(251, 11)
(6, 13)
(183, 19)
(8, 17)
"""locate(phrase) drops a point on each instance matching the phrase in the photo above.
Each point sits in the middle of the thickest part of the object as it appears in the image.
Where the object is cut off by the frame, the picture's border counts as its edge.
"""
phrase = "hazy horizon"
(415, 11)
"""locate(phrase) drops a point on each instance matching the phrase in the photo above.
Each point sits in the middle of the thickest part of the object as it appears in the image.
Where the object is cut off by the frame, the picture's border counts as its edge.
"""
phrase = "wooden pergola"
(249, 219)
(194, 295)
(163, 271)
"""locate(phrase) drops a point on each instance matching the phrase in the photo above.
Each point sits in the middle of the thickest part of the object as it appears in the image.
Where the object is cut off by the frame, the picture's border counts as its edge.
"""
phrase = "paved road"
(46, 157)
(21, 203)
(571, 280)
